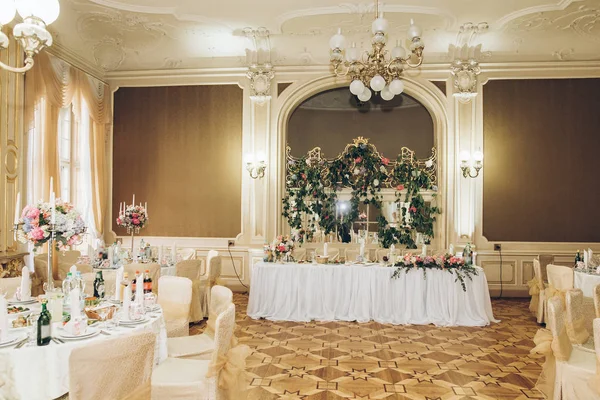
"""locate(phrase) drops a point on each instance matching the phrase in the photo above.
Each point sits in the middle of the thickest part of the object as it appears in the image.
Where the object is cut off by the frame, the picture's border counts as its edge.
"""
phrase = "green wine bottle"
(43, 326)
(99, 285)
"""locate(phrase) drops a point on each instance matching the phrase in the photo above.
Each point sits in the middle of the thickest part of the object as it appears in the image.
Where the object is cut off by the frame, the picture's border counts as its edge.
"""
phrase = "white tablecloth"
(586, 282)
(42, 373)
(304, 292)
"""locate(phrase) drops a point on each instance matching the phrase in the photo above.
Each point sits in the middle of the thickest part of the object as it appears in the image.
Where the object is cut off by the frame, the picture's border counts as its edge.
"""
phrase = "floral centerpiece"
(34, 224)
(133, 218)
(448, 262)
(281, 249)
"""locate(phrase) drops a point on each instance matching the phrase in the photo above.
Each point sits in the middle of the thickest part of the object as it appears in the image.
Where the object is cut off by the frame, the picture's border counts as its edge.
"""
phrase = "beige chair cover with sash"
(110, 369)
(545, 260)
(222, 378)
(554, 344)
(192, 269)
(575, 321)
(299, 254)
(537, 290)
(8, 286)
(153, 271)
(351, 255)
(594, 382)
(186, 254)
(597, 300)
(213, 272)
(200, 347)
(175, 297)
(333, 253)
(560, 279)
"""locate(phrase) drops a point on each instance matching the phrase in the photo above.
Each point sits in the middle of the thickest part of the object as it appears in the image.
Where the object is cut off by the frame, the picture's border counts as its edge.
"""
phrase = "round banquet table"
(586, 282)
(42, 373)
(305, 292)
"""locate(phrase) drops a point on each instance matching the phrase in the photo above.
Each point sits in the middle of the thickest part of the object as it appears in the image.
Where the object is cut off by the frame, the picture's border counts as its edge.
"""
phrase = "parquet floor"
(348, 360)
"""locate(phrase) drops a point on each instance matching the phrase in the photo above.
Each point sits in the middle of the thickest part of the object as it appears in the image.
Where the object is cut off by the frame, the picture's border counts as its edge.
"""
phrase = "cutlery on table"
(106, 333)
(21, 343)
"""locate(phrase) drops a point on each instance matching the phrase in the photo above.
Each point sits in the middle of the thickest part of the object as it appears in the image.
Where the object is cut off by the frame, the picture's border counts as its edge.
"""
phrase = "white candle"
(325, 249)
(146, 207)
(160, 254)
(51, 185)
(53, 207)
(174, 253)
(17, 208)
(133, 201)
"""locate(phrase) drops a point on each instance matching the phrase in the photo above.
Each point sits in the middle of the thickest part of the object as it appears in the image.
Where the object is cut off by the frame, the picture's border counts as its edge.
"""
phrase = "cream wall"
(457, 127)
(11, 144)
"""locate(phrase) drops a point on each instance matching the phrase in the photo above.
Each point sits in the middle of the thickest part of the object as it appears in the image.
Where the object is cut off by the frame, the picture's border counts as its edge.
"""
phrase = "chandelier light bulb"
(386, 94)
(352, 53)
(396, 86)
(413, 31)
(365, 95)
(398, 52)
(337, 41)
(377, 83)
(379, 25)
(8, 10)
(357, 87)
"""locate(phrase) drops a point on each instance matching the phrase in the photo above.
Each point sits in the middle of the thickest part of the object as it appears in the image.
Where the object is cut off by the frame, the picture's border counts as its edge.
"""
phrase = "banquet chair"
(213, 272)
(537, 290)
(175, 297)
(192, 269)
(560, 279)
(545, 260)
(153, 270)
(575, 320)
(223, 377)
(597, 300)
(66, 259)
(351, 255)
(119, 368)
(186, 254)
(333, 253)
(299, 254)
(200, 347)
(8, 286)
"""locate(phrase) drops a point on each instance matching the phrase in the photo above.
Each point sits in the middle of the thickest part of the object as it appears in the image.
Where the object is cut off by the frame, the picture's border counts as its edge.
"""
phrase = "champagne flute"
(103, 313)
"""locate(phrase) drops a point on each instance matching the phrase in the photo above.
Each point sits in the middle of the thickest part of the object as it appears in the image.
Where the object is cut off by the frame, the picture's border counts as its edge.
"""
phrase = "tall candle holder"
(133, 218)
(51, 241)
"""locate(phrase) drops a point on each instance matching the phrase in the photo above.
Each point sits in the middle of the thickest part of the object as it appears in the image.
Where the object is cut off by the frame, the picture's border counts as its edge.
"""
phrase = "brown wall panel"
(541, 146)
(331, 120)
(180, 149)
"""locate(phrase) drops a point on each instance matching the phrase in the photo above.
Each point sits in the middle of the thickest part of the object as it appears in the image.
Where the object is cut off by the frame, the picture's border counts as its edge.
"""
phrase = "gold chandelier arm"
(407, 61)
(339, 71)
(28, 65)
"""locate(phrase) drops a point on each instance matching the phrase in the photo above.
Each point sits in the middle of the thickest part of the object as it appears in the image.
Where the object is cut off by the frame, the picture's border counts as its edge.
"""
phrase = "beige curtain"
(51, 85)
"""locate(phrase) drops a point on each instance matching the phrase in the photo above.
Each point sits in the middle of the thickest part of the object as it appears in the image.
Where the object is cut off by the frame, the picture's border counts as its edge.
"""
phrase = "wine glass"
(103, 313)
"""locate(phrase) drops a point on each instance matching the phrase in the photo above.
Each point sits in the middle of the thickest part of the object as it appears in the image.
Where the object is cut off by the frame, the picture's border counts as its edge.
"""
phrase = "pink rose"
(135, 221)
(281, 248)
(413, 209)
(400, 188)
(385, 161)
(135, 215)
(37, 233)
(31, 212)
(119, 222)
(357, 160)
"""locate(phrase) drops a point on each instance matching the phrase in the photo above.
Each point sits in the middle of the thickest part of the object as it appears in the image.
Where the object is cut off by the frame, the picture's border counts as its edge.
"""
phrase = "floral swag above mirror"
(313, 183)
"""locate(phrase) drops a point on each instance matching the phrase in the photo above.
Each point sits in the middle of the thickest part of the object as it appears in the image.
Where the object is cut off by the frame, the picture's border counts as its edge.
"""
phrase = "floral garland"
(34, 224)
(448, 262)
(312, 186)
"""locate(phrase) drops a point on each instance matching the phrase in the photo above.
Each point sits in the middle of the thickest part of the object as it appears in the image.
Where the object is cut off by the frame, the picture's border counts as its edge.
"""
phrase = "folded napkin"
(75, 302)
(590, 255)
(119, 279)
(160, 254)
(139, 289)
(126, 301)
(73, 270)
(586, 259)
(3, 319)
(25, 284)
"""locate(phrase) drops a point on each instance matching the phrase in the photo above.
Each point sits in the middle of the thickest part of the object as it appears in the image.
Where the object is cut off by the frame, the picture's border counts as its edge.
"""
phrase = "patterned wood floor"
(348, 360)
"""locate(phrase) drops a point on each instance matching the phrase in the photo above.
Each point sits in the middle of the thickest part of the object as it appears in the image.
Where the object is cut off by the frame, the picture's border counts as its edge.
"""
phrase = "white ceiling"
(161, 34)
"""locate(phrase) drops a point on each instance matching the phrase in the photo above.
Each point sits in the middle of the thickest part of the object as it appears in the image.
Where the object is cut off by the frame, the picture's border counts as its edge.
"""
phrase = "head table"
(364, 292)
(42, 373)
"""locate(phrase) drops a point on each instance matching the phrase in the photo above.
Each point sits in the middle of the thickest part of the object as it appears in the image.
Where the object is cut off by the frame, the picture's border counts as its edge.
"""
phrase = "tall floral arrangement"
(34, 224)
(133, 218)
(282, 248)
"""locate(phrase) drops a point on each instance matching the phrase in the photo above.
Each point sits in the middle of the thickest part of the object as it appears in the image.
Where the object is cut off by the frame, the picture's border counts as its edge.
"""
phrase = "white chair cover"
(200, 347)
(537, 290)
(597, 300)
(192, 269)
(175, 297)
(186, 254)
(213, 272)
(575, 321)
(222, 378)
(9, 285)
(380, 253)
(299, 254)
(594, 382)
(119, 368)
(560, 279)
(66, 259)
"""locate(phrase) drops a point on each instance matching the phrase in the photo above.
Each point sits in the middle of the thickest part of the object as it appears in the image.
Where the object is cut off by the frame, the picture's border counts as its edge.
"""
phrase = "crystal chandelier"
(375, 68)
(31, 33)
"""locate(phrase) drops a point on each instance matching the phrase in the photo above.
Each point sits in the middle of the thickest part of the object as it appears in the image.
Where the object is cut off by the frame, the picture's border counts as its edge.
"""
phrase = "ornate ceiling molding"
(555, 6)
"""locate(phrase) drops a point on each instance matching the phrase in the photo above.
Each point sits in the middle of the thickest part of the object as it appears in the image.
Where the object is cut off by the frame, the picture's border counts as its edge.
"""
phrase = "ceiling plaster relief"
(260, 68)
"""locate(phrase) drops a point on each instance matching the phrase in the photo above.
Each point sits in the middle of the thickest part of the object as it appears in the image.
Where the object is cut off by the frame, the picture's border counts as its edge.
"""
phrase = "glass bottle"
(99, 285)
(147, 282)
(66, 286)
(43, 326)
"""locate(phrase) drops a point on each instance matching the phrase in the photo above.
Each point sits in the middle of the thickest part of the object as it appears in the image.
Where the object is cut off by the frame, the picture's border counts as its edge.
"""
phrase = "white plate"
(133, 322)
(13, 339)
(15, 315)
(80, 337)
(114, 301)
(21, 303)
(154, 308)
(90, 332)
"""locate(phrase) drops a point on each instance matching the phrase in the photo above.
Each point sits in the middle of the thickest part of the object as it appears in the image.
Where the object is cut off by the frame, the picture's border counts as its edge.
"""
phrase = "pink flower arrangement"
(282, 246)
(133, 218)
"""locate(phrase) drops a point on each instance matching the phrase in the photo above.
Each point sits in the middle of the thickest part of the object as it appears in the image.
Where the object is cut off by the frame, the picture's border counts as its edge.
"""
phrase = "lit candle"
(53, 207)
(17, 208)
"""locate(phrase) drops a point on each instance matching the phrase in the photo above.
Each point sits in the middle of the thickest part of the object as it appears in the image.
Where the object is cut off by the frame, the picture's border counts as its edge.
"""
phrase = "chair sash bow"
(551, 291)
(210, 328)
(577, 332)
(535, 287)
(230, 370)
(554, 349)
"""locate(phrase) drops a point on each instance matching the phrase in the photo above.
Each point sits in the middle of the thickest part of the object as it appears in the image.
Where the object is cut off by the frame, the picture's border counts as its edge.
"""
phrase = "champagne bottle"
(43, 326)
(578, 257)
(147, 282)
(134, 282)
(99, 288)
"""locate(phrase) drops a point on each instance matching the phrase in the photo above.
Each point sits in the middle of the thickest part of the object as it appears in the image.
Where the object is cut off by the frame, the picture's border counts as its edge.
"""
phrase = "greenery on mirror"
(313, 184)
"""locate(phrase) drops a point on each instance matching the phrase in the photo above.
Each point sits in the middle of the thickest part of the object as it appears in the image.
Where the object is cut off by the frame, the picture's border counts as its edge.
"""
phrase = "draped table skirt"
(305, 292)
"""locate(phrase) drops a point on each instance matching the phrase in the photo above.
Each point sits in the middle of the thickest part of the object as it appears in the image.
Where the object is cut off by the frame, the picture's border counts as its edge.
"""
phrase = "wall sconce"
(467, 162)
(256, 166)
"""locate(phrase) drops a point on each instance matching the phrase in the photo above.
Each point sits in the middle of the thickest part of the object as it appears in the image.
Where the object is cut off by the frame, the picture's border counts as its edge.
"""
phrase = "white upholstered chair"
(8, 286)
(560, 279)
(178, 378)
(200, 347)
(175, 297)
(119, 368)
(537, 290)
(192, 269)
